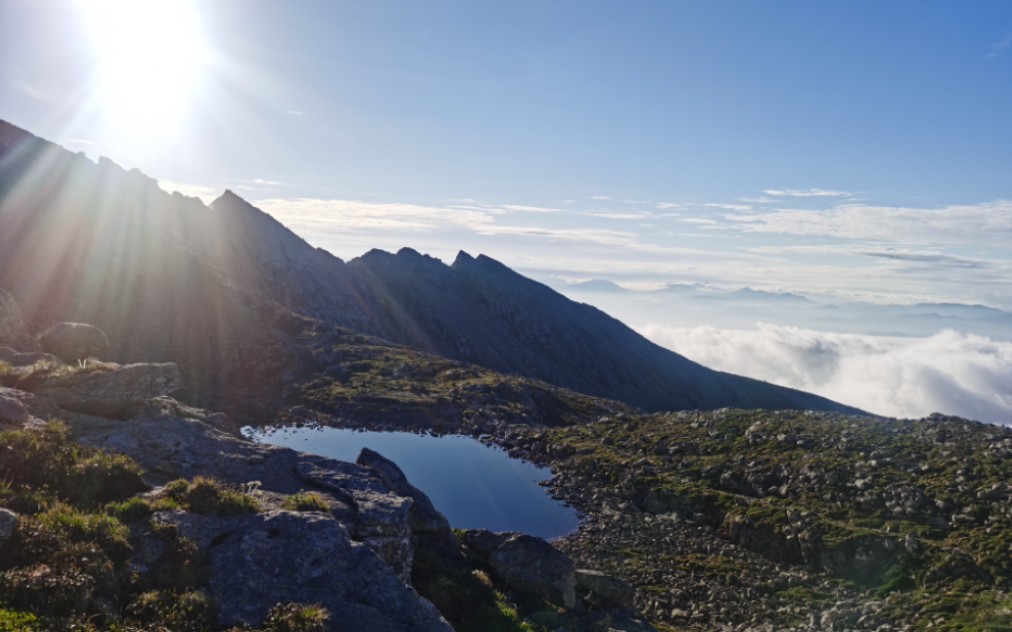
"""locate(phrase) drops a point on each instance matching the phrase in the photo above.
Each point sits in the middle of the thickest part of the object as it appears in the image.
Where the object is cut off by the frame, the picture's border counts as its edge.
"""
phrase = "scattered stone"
(111, 393)
(74, 341)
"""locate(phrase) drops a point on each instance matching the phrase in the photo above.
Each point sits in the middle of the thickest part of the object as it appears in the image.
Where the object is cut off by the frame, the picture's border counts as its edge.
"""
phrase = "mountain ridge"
(223, 288)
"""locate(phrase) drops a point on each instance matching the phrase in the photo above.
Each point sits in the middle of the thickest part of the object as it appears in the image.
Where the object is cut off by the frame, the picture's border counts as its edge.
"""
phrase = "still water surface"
(475, 486)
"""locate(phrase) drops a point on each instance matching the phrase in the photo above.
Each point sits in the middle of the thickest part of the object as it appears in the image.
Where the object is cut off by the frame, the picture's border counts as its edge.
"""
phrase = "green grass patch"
(49, 463)
(306, 501)
(209, 496)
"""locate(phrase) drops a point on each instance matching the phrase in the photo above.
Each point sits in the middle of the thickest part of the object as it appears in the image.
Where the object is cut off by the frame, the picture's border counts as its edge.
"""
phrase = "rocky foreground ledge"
(241, 528)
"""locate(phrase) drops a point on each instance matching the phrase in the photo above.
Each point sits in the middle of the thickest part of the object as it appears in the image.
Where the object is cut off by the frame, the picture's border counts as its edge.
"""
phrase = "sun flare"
(150, 59)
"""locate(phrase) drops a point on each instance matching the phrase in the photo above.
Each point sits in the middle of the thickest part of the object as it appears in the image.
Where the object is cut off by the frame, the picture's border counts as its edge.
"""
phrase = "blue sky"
(539, 101)
(846, 151)
(670, 140)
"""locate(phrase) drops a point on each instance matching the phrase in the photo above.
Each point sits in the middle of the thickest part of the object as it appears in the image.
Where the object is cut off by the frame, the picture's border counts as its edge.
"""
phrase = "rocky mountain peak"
(462, 259)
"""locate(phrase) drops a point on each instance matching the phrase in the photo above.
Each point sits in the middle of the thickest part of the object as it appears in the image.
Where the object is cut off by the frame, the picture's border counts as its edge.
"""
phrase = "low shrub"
(16, 621)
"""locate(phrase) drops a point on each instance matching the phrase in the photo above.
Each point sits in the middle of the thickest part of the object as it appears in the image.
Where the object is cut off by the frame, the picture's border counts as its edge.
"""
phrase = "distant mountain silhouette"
(223, 289)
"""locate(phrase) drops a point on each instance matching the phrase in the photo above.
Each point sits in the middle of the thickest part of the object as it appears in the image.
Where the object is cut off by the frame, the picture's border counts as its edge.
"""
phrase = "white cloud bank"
(949, 372)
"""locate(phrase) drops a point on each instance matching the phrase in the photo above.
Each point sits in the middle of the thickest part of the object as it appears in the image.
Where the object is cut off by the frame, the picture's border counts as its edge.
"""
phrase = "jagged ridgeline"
(223, 290)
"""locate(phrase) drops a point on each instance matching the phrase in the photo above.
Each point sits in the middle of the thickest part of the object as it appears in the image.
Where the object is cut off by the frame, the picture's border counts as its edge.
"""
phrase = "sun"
(151, 58)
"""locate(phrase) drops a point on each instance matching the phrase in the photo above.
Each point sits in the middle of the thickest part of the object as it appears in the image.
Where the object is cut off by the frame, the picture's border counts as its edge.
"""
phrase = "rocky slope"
(222, 290)
(742, 520)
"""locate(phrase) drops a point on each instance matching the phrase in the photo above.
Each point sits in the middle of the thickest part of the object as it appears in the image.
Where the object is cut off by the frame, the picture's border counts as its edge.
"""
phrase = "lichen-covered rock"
(110, 393)
(280, 557)
(74, 341)
(11, 324)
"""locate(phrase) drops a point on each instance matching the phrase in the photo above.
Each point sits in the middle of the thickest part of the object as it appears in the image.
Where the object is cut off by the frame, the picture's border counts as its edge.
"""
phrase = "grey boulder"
(282, 557)
(73, 341)
(525, 563)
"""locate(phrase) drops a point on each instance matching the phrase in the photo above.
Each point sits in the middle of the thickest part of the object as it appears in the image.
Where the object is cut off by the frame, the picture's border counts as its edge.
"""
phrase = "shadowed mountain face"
(223, 290)
(480, 311)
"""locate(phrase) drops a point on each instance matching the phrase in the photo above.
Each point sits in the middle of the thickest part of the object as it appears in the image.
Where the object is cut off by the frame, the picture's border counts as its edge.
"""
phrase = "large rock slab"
(259, 560)
(168, 444)
(74, 341)
(111, 393)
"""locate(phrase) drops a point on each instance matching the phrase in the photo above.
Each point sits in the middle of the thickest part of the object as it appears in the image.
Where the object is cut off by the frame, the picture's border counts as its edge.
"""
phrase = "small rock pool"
(474, 485)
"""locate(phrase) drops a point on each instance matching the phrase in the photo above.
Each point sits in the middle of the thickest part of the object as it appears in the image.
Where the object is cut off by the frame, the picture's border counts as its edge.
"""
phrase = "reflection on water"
(474, 485)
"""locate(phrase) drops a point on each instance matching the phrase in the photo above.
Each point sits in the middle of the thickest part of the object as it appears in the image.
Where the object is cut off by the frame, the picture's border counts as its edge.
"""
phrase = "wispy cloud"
(948, 372)
(972, 225)
(358, 215)
(999, 46)
(806, 193)
(729, 207)
(925, 257)
(521, 208)
(620, 216)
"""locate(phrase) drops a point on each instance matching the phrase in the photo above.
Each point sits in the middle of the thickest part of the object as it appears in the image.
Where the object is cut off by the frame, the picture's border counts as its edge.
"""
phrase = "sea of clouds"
(949, 372)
